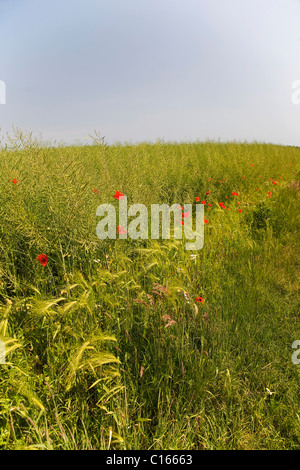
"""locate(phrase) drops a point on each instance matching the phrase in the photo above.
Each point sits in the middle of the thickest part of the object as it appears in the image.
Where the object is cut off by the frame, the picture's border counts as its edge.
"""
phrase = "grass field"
(141, 344)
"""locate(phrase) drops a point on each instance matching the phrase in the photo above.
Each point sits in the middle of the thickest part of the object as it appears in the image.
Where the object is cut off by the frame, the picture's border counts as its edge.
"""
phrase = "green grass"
(106, 346)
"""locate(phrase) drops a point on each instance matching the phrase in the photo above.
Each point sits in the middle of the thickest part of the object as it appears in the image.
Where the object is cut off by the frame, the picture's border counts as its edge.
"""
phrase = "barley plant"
(142, 344)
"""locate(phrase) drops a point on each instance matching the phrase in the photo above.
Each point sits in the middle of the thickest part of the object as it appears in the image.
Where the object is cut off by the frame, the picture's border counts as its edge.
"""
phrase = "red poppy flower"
(15, 181)
(199, 299)
(121, 230)
(234, 194)
(180, 221)
(252, 164)
(197, 199)
(206, 221)
(269, 193)
(240, 210)
(42, 259)
(203, 202)
(95, 191)
(243, 177)
(209, 204)
(207, 193)
(221, 204)
(118, 195)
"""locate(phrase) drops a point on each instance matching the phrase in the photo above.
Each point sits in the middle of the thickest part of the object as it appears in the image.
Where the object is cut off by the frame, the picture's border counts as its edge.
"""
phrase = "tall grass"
(107, 347)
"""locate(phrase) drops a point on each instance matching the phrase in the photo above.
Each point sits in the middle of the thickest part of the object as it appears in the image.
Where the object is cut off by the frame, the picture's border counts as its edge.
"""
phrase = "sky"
(143, 70)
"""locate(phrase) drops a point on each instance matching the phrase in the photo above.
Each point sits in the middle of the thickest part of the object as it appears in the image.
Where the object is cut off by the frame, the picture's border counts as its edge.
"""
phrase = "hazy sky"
(180, 70)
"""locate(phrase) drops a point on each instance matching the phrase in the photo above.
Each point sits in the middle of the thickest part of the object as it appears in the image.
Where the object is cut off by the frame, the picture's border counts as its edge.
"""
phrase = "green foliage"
(106, 345)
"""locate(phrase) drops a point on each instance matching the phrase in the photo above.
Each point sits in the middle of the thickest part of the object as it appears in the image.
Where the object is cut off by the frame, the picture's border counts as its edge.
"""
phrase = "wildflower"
(42, 259)
(243, 177)
(197, 199)
(209, 204)
(203, 202)
(252, 164)
(95, 191)
(199, 299)
(180, 221)
(269, 193)
(118, 195)
(187, 297)
(121, 230)
(240, 210)
(207, 193)
(15, 181)
(193, 257)
(206, 221)
(170, 323)
(234, 194)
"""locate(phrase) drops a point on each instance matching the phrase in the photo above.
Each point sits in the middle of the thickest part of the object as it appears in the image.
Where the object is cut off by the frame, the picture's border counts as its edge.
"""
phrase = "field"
(142, 344)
